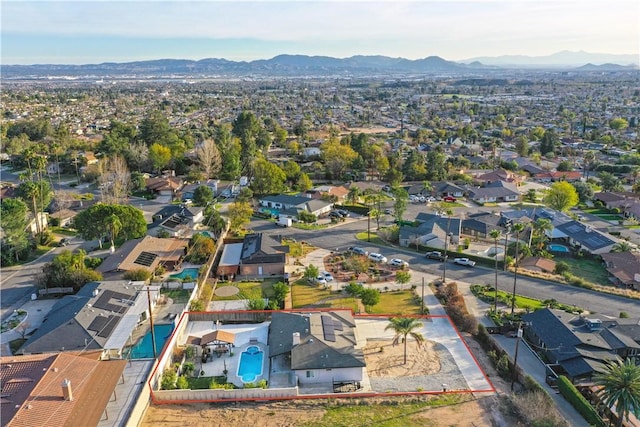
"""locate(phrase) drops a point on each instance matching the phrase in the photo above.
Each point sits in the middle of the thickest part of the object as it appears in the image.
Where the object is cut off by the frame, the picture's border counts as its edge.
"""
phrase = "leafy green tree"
(337, 157)
(13, 221)
(160, 156)
(565, 166)
(93, 222)
(202, 195)
(609, 182)
(280, 291)
(561, 196)
(200, 249)
(369, 297)
(618, 124)
(522, 146)
(404, 327)
(118, 139)
(311, 272)
(114, 225)
(214, 220)
(268, 178)
(622, 246)
(436, 165)
(68, 269)
(169, 379)
(403, 277)
(549, 142)
(414, 167)
(239, 215)
(620, 382)
(304, 182)
(246, 126)
(400, 203)
(230, 150)
(354, 288)
(154, 129)
(584, 190)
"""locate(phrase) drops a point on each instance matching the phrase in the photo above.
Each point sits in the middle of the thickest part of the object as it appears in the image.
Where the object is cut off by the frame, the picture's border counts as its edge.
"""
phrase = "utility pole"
(153, 334)
(423, 295)
(515, 357)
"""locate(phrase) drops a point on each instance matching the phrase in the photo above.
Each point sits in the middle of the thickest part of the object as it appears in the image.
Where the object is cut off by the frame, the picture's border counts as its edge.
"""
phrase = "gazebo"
(220, 340)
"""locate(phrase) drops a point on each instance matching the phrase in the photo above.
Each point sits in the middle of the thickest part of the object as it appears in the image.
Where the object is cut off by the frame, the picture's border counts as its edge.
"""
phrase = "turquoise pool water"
(557, 248)
(250, 366)
(191, 272)
(144, 350)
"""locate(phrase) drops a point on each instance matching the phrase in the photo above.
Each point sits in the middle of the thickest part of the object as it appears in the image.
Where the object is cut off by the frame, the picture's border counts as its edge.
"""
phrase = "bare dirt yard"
(386, 360)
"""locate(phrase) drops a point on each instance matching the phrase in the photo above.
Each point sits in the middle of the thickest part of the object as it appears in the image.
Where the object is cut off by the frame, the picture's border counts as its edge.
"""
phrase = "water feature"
(250, 366)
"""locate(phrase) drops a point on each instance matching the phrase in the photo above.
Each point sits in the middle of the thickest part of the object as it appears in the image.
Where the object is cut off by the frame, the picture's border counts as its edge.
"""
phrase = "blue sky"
(82, 32)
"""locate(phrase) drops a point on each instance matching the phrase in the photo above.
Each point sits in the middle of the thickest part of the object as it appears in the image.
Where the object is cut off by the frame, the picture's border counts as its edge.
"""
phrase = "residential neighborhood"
(378, 238)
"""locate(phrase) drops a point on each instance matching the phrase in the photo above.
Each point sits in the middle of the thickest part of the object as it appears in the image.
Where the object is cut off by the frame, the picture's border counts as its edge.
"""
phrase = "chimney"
(296, 338)
(66, 390)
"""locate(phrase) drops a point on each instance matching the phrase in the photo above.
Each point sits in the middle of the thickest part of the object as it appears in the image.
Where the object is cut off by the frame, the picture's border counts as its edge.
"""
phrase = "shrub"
(623, 315)
(169, 378)
(503, 366)
(577, 400)
(138, 274)
(182, 383)
(196, 305)
(561, 267)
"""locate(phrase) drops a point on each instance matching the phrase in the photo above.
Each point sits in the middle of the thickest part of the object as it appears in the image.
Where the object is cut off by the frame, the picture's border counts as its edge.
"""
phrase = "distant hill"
(297, 65)
(559, 59)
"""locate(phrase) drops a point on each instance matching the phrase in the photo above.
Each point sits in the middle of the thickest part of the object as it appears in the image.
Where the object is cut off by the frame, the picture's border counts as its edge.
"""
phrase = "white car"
(327, 276)
(397, 262)
(464, 261)
(320, 280)
(374, 256)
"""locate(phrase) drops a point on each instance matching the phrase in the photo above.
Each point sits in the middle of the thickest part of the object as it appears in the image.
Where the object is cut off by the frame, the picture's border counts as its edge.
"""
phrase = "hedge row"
(360, 210)
(577, 400)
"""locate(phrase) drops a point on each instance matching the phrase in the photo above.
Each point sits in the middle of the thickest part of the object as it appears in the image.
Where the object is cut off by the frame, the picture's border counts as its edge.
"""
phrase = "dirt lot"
(479, 413)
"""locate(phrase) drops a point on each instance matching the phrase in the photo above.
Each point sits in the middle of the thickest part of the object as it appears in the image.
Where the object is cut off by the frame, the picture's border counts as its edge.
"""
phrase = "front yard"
(589, 270)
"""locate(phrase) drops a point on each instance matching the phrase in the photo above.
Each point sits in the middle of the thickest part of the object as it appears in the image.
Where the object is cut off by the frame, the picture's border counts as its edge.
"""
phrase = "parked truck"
(284, 222)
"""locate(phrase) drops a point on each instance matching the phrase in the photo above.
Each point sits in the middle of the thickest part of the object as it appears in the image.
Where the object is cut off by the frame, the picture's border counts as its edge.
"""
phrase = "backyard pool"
(144, 350)
(190, 272)
(553, 247)
(250, 367)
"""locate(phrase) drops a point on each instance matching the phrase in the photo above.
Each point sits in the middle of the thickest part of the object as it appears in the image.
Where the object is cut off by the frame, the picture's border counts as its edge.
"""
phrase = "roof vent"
(67, 394)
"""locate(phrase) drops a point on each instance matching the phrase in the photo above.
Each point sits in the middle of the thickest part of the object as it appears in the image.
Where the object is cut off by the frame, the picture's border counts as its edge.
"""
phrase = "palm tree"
(538, 229)
(622, 247)
(354, 195)
(114, 225)
(517, 228)
(495, 235)
(620, 383)
(404, 326)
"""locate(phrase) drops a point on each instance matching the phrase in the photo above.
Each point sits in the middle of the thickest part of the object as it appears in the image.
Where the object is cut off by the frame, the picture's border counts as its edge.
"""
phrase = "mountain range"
(298, 65)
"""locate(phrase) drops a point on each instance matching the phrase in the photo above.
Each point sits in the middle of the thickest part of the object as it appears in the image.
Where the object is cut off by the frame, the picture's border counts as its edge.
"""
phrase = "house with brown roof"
(499, 175)
(537, 263)
(164, 186)
(262, 256)
(146, 253)
(624, 268)
(338, 192)
(65, 389)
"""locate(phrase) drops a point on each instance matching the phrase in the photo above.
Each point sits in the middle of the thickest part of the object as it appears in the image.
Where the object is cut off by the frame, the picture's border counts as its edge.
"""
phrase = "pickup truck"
(464, 261)
(437, 255)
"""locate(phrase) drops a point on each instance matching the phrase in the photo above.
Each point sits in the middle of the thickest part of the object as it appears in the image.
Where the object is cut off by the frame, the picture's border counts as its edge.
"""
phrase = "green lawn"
(374, 238)
(203, 383)
(396, 303)
(609, 217)
(303, 295)
(16, 344)
(587, 269)
(248, 290)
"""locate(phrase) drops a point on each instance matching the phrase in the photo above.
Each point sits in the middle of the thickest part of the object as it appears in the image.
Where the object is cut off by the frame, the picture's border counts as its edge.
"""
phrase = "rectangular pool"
(144, 350)
(250, 366)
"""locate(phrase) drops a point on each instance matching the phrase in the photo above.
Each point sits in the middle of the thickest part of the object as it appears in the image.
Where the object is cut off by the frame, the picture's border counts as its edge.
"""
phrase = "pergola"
(219, 339)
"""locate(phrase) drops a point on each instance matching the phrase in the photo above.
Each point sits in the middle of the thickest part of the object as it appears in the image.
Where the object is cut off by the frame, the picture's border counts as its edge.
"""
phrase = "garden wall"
(182, 396)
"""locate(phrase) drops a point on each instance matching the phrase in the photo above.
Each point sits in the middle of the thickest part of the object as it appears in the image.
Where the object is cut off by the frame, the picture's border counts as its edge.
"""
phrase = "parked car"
(327, 276)
(335, 214)
(449, 199)
(464, 261)
(64, 242)
(374, 256)
(397, 262)
(357, 250)
(320, 280)
(344, 213)
(388, 211)
(437, 255)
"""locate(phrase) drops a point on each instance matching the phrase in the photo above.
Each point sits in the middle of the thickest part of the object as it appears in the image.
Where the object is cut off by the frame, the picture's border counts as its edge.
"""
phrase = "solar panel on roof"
(327, 328)
(104, 301)
(111, 323)
(337, 325)
(98, 323)
(145, 258)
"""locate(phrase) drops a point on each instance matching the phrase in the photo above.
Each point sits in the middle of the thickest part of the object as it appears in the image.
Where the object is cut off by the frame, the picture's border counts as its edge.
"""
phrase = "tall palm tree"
(114, 225)
(354, 194)
(517, 228)
(620, 383)
(495, 235)
(403, 327)
(538, 229)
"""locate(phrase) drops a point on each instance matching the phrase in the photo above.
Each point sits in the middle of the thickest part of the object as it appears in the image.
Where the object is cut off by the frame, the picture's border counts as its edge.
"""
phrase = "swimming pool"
(144, 350)
(191, 272)
(250, 366)
(553, 247)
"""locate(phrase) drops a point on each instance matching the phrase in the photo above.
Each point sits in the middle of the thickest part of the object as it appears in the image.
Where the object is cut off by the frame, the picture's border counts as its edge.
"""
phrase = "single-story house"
(569, 176)
(188, 190)
(284, 202)
(496, 191)
(101, 316)
(178, 220)
(63, 217)
(431, 231)
(479, 225)
(229, 264)
(320, 347)
(624, 268)
(579, 346)
(498, 175)
(338, 192)
(444, 189)
(64, 389)
(164, 186)
(262, 256)
(585, 237)
(147, 253)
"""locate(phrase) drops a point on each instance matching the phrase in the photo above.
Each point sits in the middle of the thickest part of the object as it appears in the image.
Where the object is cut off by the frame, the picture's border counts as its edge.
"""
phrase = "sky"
(89, 32)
